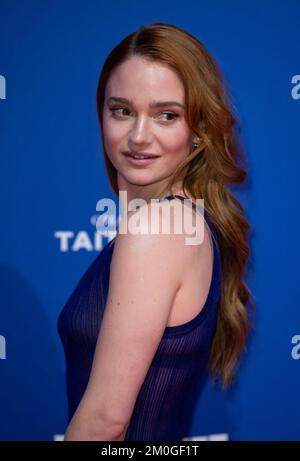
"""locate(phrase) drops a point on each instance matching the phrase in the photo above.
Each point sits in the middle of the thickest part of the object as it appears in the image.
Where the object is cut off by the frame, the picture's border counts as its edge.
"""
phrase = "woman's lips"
(140, 162)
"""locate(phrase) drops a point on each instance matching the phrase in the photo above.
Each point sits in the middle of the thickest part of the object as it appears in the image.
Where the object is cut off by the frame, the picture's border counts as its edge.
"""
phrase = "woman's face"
(135, 125)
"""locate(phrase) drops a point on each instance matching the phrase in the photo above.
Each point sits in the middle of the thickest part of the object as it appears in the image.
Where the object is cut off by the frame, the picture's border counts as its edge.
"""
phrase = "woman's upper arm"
(145, 275)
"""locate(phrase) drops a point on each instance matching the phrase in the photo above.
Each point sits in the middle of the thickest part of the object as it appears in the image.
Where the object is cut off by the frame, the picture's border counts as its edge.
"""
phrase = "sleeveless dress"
(166, 401)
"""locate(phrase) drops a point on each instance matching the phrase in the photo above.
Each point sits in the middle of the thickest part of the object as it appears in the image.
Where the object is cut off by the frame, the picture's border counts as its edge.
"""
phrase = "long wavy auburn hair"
(205, 173)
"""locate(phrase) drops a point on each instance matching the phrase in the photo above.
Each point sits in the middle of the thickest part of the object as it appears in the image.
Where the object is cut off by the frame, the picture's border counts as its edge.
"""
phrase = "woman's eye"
(170, 114)
(115, 110)
(118, 111)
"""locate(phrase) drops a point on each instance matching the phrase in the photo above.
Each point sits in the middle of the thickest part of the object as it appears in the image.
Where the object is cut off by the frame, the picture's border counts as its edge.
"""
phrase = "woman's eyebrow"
(152, 104)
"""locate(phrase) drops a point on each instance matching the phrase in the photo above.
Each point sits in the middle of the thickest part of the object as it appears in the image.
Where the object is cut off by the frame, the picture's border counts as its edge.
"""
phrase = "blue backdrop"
(52, 174)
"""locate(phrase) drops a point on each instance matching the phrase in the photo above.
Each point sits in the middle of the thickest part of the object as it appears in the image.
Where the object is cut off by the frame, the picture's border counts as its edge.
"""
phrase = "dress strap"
(198, 208)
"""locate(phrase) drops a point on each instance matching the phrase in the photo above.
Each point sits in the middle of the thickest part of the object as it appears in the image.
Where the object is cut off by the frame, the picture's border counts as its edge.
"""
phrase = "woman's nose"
(140, 131)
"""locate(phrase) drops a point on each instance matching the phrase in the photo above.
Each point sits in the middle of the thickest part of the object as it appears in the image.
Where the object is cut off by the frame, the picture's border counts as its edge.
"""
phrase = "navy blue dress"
(165, 404)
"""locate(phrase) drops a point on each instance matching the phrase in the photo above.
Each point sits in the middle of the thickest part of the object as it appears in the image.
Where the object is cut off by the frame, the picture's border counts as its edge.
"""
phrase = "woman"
(170, 313)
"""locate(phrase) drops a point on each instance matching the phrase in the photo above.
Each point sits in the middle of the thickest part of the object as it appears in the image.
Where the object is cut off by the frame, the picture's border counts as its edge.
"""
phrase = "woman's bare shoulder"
(158, 238)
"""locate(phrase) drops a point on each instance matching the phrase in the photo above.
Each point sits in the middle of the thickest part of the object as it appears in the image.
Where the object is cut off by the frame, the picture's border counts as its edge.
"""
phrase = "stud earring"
(195, 144)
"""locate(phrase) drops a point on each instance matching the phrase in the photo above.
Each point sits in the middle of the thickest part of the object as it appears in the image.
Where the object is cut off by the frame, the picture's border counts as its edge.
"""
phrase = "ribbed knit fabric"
(165, 404)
